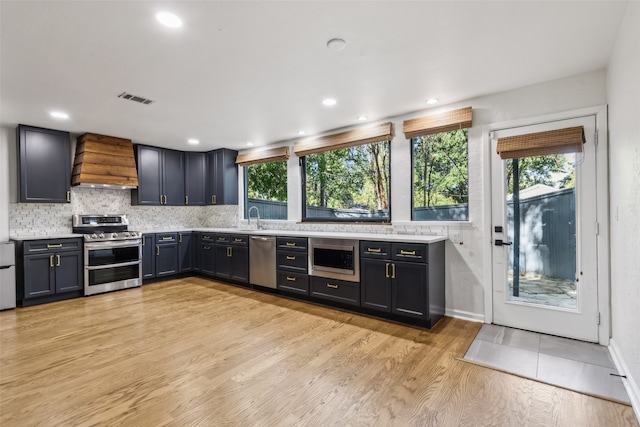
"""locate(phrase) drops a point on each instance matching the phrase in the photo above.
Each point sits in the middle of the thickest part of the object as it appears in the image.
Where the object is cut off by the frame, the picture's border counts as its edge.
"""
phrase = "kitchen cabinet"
(222, 177)
(207, 254)
(49, 270)
(292, 264)
(166, 254)
(148, 256)
(44, 164)
(335, 290)
(185, 252)
(160, 177)
(195, 168)
(232, 257)
(403, 279)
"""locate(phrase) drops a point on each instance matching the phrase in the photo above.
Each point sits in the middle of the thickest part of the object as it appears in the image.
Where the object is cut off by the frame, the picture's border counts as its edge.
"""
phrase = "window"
(266, 189)
(348, 184)
(440, 177)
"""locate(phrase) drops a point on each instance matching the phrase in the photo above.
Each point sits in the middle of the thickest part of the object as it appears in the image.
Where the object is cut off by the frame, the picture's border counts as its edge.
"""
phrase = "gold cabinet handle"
(206, 237)
(161, 199)
(213, 199)
(51, 261)
(207, 248)
(68, 196)
(167, 238)
(291, 279)
(144, 242)
(229, 251)
(165, 199)
(329, 285)
(402, 252)
(59, 245)
(186, 200)
(157, 250)
(238, 240)
(374, 250)
(58, 260)
(291, 258)
(393, 271)
(386, 270)
(180, 235)
(290, 243)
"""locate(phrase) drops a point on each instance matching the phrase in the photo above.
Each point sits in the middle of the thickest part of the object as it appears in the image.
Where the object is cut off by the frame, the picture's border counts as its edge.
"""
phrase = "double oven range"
(112, 253)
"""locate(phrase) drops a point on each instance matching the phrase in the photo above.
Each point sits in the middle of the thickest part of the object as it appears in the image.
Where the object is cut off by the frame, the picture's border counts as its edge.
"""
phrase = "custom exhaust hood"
(104, 161)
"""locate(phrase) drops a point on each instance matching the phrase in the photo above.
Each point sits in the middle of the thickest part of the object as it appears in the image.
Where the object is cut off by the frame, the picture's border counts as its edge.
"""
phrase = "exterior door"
(544, 244)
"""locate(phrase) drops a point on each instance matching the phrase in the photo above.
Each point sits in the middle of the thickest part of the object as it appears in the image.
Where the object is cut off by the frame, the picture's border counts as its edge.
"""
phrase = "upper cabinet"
(44, 162)
(176, 178)
(160, 177)
(222, 177)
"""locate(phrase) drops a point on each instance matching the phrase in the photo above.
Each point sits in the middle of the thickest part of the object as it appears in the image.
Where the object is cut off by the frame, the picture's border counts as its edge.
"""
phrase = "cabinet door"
(185, 254)
(194, 178)
(211, 178)
(223, 261)
(68, 271)
(227, 177)
(409, 289)
(240, 264)
(149, 164)
(208, 258)
(39, 279)
(148, 256)
(173, 178)
(375, 285)
(166, 259)
(44, 162)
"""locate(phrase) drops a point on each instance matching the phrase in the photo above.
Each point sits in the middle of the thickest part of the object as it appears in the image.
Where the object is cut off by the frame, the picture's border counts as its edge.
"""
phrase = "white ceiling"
(257, 71)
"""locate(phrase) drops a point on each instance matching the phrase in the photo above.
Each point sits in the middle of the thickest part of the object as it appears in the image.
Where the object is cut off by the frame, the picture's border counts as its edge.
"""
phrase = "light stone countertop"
(47, 237)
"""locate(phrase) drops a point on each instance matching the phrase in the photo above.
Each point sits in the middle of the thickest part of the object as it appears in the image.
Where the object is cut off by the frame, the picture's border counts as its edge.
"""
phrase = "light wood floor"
(194, 352)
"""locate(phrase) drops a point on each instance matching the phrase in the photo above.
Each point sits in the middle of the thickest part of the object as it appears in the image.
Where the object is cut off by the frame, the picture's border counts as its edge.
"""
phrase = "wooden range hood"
(104, 161)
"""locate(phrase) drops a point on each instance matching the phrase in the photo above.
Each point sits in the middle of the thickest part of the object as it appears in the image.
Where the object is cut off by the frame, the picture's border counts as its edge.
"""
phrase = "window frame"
(303, 179)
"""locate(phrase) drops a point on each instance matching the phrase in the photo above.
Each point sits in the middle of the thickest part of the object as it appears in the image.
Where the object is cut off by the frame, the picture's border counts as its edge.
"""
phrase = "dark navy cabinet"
(195, 178)
(160, 177)
(44, 162)
(166, 254)
(185, 252)
(232, 257)
(222, 177)
(207, 254)
(148, 256)
(292, 264)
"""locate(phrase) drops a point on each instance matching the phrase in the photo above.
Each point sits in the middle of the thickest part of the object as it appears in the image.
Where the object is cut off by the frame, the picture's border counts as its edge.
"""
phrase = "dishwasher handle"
(263, 239)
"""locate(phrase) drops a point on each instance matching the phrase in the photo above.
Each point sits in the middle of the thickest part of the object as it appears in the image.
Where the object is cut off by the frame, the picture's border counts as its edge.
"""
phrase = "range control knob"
(101, 236)
(93, 236)
(114, 235)
(126, 234)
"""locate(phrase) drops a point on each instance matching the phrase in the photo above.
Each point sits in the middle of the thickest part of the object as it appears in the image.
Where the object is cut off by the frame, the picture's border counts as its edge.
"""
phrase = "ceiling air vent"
(135, 98)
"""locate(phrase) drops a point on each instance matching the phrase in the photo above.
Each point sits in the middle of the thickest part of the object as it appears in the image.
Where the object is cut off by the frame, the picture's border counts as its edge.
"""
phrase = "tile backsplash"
(34, 219)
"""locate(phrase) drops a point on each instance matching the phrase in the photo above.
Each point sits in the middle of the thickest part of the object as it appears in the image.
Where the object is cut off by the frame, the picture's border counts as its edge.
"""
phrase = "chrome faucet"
(249, 216)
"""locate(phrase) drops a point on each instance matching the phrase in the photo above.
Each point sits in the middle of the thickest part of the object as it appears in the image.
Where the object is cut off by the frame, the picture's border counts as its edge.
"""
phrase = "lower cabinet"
(49, 270)
(185, 252)
(232, 257)
(148, 256)
(403, 279)
(207, 254)
(336, 290)
(166, 254)
(292, 264)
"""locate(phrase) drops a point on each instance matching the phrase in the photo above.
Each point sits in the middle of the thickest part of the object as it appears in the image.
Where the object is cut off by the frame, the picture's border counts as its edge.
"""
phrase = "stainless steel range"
(112, 253)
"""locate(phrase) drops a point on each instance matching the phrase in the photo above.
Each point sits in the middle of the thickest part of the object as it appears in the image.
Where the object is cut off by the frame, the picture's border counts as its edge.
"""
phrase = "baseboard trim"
(629, 382)
(465, 315)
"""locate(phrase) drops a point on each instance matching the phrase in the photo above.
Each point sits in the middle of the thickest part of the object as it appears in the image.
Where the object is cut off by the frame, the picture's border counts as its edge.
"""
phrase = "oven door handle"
(102, 267)
(109, 245)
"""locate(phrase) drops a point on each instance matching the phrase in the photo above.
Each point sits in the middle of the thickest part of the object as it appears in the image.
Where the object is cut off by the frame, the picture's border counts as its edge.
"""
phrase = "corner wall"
(623, 89)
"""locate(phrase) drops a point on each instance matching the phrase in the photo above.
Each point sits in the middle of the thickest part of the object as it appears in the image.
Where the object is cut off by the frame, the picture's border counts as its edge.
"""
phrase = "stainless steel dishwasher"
(262, 261)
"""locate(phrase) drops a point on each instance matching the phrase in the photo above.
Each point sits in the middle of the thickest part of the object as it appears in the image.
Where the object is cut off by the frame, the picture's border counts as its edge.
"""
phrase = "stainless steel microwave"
(334, 259)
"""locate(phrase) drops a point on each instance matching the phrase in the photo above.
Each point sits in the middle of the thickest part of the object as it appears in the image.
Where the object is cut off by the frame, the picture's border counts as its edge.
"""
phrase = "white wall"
(5, 182)
(623, 89)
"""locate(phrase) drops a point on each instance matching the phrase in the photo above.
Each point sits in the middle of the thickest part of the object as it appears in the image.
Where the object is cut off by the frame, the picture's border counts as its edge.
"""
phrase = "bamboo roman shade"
(363, 135)
(559, 141)
(263, 156)
(436, 123)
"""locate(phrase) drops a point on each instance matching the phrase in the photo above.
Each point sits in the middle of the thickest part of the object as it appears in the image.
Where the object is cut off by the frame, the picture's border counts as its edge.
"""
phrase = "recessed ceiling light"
(301, 132)
(432, 101)
(169, 19)
(363, 118)
(336, 44)
(193, 141)
(59, 115)
(250, 144)
(329, 102)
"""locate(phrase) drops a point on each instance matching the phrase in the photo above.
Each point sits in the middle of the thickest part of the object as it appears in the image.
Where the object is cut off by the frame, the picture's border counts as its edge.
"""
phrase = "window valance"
(363, 135)
(436, 123)
(559, 141)
(262, 156)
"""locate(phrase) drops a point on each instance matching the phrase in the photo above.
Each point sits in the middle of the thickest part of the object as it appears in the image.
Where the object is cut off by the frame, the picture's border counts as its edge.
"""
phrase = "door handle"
(58, 260)
(180, 234)
(501, 243)
(68, 196)
(186, 200)
(51, 261)
(393, 271)
(386, 269)
(157, 250)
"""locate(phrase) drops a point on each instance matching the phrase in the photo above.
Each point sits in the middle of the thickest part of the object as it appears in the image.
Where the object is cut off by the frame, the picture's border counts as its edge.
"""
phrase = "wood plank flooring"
(194, 352)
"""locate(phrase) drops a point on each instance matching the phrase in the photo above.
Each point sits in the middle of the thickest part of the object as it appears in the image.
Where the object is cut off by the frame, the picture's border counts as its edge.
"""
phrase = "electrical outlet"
(454, 236)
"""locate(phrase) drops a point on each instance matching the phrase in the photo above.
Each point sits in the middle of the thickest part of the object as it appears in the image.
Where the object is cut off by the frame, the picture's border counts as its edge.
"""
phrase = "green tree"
(267, 181)
(543, 170)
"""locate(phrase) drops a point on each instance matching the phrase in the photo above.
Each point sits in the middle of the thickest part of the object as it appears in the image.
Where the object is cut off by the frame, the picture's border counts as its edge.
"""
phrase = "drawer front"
(409, 252)
(222, 238)
(335, 290)
(375, 249)
(239, 239)
(207, 237)
(294, 282)
(292, 243)
(292, 261)
(57, 245)
(164, 238)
